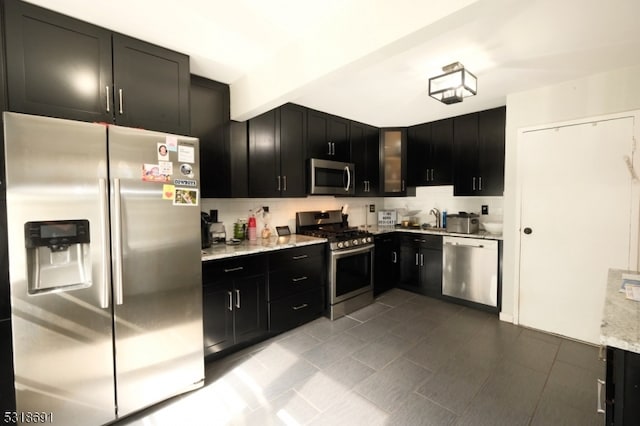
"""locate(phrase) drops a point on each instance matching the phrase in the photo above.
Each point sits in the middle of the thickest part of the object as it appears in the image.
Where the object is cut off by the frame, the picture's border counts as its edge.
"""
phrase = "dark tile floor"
(405, 360)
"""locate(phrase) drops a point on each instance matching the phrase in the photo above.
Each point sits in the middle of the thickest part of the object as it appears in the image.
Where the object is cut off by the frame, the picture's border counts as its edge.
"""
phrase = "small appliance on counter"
(205, 230)
(463, 223)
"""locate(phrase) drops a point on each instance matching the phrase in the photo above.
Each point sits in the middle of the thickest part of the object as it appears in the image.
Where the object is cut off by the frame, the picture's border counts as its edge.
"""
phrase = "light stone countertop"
(620, 326)
(221, 251)
(374, 229)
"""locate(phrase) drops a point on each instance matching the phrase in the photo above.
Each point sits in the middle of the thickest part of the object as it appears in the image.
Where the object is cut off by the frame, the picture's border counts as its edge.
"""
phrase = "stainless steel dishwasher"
(470, 269)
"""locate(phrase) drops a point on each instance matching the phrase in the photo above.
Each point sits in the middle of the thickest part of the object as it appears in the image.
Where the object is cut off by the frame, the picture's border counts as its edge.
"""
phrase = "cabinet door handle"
(427, 175)
(295, 308)
(600, 409)
(239, 268)
(121, 97)
(474, 183)
(333, 148)
(107, 92)
(329, 143)
(279, 183)
(416, 259)
(296, 280)
(284, 179)
(394, 257)
(480, 183)
(432, 175)
(403, 185)
(421, 259)
(230, 306)
(302, 256)
(238, 299)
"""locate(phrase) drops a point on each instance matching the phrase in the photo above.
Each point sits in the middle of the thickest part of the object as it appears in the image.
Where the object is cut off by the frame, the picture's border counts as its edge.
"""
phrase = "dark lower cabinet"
(249, 298)
(622, 385)
(386, 263)
(7, 392)
(234, 302)
(296, 286)
(421, 264)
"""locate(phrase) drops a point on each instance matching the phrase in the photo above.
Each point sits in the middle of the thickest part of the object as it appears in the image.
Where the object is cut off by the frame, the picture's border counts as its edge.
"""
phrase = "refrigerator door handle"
(117, 246)
(104, 231)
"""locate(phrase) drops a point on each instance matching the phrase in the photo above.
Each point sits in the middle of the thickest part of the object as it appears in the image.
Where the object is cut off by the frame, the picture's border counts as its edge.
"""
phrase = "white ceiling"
(370, 60)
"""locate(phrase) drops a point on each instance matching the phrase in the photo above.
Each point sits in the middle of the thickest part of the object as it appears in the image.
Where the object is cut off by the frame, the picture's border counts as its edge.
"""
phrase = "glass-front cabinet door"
(393, 146)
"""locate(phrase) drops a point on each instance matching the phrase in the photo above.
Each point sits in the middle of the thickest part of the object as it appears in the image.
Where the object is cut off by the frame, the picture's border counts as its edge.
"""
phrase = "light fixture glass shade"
(453, 85)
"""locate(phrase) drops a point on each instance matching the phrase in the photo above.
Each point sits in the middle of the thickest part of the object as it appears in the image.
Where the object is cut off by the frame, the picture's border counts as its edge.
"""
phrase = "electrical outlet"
(265, 209)
(372, 208)
(485, 209)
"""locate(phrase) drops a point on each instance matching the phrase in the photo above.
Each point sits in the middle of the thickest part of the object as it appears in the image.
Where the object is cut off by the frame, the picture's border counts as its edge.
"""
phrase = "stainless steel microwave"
(328, 177)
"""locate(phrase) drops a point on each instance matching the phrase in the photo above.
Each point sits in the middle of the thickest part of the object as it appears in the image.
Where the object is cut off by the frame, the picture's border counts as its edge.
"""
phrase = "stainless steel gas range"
(350, 260)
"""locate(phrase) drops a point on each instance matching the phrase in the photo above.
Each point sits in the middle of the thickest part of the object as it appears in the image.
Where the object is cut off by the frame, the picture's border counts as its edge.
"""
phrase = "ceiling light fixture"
(455, 84)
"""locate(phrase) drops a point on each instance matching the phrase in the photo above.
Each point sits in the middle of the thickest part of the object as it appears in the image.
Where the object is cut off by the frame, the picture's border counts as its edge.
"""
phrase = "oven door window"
(353, 272)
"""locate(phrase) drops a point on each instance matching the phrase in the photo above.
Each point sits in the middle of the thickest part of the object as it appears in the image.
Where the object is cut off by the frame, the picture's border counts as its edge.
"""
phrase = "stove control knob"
(369, 239)
(346, 243)
(340, 245)
(355, 242)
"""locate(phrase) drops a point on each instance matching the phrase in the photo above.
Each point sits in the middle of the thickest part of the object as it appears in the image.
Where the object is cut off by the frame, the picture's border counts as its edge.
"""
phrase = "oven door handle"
(361, 249)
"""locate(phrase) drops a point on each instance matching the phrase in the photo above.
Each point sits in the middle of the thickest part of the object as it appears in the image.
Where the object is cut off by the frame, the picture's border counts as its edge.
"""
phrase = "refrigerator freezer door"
(56, 170)
(157, 267)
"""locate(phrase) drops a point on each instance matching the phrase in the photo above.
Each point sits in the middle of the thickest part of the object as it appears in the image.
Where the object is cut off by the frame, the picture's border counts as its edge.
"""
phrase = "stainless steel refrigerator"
(104, 265)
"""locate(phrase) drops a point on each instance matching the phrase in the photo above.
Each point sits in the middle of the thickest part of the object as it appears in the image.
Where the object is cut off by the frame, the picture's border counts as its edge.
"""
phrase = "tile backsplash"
(282, 210)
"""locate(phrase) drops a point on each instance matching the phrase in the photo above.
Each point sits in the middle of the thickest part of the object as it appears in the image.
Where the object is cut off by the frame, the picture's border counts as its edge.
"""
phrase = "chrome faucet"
(434, 211)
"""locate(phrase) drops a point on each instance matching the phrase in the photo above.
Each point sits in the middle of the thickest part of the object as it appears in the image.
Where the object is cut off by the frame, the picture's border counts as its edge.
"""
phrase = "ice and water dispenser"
(58, 255)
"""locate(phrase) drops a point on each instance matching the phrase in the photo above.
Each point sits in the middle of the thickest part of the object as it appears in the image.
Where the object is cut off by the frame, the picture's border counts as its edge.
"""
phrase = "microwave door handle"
(346, 169)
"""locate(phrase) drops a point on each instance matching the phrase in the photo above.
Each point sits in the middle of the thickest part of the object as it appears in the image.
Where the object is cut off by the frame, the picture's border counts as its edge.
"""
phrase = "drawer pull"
(295, 308)
(295, 280)
(239, 268)
(302, 256)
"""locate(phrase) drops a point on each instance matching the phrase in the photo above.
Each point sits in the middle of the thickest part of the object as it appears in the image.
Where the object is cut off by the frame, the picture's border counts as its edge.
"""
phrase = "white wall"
(600, 94)
(441, 197)
(283, 210)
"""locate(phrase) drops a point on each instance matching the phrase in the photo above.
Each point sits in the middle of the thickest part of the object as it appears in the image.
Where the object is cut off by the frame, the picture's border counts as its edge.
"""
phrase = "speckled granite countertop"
(621, 318)
(221, 251)
(480, 234)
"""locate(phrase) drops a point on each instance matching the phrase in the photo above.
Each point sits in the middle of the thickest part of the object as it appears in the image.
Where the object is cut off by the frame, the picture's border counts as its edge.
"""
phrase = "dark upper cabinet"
(292, 150)
(491, 147)
(223, 144)
(62, 67)
(393, 162)
(56, 65)
(365, 155)
(151, 86)
(441, 152)
(327, 136)
(429, 151)
(478, 154)
(276, 153)
(418, 165)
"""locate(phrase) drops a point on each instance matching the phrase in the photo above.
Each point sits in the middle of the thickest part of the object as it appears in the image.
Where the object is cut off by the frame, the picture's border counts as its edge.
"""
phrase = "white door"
(575, 223)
